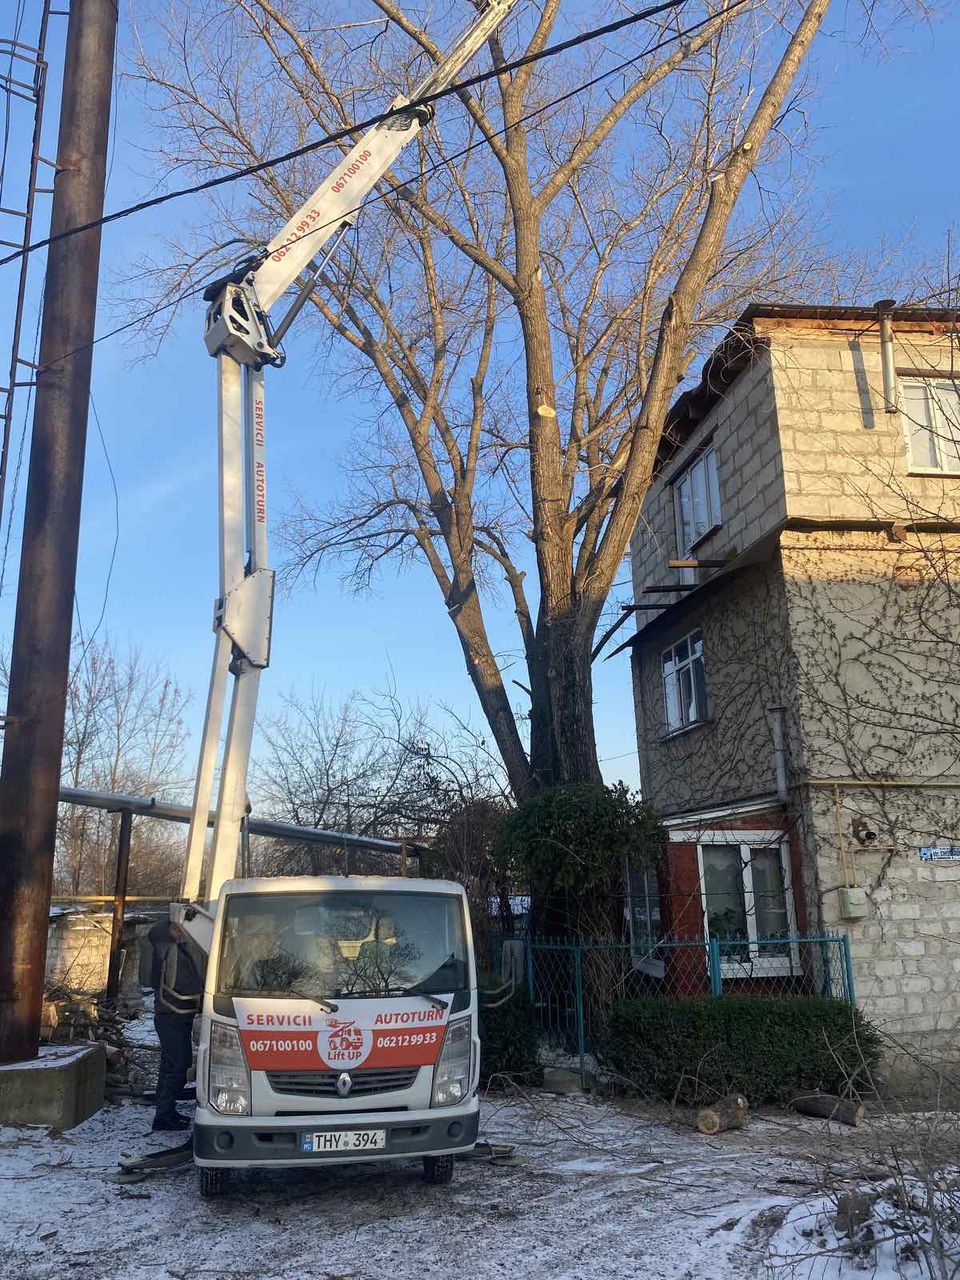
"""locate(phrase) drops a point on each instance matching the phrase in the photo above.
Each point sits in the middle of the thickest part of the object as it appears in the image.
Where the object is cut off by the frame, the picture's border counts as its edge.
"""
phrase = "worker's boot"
(170, 1124)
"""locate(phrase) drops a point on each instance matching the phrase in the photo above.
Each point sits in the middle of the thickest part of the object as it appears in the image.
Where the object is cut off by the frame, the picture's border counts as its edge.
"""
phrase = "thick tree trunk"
(488, 682)
(571, 702)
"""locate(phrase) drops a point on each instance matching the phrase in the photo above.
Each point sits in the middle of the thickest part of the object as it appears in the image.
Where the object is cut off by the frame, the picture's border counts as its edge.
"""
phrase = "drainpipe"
(779, 752)
(885, 316)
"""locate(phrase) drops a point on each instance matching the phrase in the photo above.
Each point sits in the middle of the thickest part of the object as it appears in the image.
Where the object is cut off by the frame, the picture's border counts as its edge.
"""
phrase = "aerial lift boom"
(240, 336)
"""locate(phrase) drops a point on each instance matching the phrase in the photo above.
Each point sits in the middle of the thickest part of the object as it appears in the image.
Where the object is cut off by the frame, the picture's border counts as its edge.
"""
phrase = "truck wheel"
(437, 1169)
(214, 1182)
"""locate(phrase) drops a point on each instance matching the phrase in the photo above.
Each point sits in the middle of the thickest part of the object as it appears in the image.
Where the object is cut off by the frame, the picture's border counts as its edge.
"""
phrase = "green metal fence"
(573, 986)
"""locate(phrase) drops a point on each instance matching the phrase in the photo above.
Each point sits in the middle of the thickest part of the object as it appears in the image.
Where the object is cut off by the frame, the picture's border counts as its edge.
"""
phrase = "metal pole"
(581, 1037)
(119, 903)
(716, 973)
(851, 992)
(39, 667)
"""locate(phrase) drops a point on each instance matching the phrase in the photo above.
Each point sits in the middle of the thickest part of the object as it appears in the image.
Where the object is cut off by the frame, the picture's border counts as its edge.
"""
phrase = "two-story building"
(796, 665)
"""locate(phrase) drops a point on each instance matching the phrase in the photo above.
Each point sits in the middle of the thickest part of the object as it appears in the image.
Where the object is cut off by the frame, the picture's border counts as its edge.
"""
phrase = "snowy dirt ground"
(594, 1192)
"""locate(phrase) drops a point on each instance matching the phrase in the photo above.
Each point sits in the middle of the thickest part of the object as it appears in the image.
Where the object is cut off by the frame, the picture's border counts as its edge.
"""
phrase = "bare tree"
(369, 766)
(525, 292)
(124, 733)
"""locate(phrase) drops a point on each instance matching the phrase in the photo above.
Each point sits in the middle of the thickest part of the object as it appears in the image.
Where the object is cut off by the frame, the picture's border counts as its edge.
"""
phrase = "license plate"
(344, 1140)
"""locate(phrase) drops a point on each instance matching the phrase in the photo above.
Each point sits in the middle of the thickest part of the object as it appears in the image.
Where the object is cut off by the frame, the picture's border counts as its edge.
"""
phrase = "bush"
(568, 845)
(510, 1042)
(768, 1048)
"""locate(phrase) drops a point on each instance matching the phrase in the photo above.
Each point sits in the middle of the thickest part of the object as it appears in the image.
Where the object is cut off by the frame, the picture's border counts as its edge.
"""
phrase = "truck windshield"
(318, 946)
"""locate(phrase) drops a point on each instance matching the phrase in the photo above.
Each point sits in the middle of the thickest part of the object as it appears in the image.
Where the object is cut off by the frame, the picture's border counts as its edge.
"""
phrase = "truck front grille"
(323, 1084)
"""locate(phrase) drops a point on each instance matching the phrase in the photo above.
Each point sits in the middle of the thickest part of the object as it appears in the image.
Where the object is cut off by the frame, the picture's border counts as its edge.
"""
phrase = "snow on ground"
(894, 1228)
(594, 1192)
(50, 1055)
(139, 1031)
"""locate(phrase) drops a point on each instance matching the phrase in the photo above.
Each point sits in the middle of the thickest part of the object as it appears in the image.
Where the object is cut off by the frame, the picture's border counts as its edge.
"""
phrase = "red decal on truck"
(276, 1037)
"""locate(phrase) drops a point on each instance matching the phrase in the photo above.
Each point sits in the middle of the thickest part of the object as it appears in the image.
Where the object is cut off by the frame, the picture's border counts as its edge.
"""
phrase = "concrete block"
(916, 986)
(62, 1087)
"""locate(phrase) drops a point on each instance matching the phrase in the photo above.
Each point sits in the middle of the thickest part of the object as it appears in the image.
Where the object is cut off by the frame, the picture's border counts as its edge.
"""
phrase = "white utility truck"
(339, 1015)
(339, 1023)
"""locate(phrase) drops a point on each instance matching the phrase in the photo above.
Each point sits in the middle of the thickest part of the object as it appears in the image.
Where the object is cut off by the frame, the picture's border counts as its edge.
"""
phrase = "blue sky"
(882, 172)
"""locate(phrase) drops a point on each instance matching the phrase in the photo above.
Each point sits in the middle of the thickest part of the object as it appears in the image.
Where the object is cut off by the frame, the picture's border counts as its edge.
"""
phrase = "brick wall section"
(78, 952)
(746, 650)
(843, 455)
(743, 429)
(906, 952)
(853, 632)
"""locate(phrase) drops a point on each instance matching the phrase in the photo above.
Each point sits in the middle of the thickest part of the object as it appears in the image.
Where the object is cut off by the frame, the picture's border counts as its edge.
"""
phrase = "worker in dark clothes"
(176, 975)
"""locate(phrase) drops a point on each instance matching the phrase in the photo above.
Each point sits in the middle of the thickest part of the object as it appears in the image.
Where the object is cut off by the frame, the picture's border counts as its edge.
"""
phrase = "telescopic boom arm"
(239, 335)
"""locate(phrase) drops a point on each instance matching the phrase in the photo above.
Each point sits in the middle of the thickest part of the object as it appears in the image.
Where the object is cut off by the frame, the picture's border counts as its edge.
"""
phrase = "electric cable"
(20, 451)
(382, 117)
(113, 554)
(376, 197)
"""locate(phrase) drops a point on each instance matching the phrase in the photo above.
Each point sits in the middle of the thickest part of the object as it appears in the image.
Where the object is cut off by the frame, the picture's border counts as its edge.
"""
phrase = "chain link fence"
(574, 986)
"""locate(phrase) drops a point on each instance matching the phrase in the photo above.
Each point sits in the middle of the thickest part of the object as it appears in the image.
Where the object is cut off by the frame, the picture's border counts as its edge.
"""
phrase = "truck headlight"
(451, 1076)
(229, 1091)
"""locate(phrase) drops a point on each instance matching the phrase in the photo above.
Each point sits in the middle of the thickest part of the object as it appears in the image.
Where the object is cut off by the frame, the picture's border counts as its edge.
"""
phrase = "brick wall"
(742, 427)
(746, 652)
(843, 455)
(853, 632)
(906, 951)
(78, 952)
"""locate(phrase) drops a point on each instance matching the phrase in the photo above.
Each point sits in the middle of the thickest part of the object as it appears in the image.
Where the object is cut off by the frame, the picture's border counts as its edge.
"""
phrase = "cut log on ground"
(828, 1107)
(729, 1113)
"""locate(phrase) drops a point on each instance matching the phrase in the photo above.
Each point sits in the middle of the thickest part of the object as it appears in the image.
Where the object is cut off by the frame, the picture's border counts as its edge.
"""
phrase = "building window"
(696, 496)
(643, 918)
(748, 902)
(684, 684)
(931, 410)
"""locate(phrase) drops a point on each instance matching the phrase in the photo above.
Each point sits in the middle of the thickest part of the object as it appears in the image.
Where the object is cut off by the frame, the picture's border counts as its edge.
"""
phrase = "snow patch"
(51, 1055)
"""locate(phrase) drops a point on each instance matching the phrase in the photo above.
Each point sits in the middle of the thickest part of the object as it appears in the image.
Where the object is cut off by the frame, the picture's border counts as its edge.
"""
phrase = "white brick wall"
(865, 661)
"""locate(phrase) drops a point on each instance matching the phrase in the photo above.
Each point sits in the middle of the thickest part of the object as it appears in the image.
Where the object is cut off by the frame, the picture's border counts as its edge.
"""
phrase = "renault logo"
(344, 1083)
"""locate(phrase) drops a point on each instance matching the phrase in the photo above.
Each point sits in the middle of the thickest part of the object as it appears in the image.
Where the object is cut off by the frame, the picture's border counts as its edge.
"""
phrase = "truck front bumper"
(250, 1143)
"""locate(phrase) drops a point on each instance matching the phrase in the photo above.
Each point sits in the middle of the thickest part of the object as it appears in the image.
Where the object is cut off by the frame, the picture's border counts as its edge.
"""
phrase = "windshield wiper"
(392, 992)
(436, 1001)
(326, 1005)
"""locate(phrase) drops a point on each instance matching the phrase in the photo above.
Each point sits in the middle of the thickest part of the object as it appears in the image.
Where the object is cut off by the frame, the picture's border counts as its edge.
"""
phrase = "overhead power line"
(443, 163)
(342, 135)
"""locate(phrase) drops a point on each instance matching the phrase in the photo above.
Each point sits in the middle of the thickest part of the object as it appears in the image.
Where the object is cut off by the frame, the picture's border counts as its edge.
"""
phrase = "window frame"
(688, 663)
(933, 408)
(705, 457)
(646, 952)
(758, 966)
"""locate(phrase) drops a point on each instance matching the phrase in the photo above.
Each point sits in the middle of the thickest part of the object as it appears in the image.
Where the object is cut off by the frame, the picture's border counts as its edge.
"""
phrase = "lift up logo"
(344, 1044)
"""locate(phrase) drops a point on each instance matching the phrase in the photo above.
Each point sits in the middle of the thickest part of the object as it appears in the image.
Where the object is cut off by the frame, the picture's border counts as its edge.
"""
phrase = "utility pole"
(40, 661)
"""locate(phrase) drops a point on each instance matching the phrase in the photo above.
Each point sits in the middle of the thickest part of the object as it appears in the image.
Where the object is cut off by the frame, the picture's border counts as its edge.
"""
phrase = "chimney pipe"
(779, 752)
(885, 316)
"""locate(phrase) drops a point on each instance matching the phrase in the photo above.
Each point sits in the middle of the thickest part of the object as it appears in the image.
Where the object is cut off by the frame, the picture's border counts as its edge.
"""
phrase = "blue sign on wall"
(935, 853)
